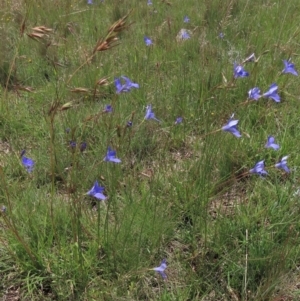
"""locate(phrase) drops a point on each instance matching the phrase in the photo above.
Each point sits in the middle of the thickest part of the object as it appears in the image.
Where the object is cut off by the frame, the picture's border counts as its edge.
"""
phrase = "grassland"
(182, 192)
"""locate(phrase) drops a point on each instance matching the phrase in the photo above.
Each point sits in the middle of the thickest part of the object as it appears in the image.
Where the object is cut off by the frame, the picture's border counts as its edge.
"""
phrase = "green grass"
(180, 192)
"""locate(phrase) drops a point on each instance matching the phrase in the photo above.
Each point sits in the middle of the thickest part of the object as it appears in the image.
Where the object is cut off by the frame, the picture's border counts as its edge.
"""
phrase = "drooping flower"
(149, 2)
(185, 35)
(178, 120)
(271, 143)
(72, 144)
(129, 123)
(108, 109)
(111, 156)
(239, 71)
(231, 127)
(27, 163)
(126, 86)
(289, 67)
(90, 2)
(272, 93)
(97, 191)
(161, 269)
(259, 168)
(186, 19)
(129, 84)
(221, 35)
(254, 93)
(148, 41)
(119, 87)
(283, 164)
(150, 114)
(3, 209)
(83, 146)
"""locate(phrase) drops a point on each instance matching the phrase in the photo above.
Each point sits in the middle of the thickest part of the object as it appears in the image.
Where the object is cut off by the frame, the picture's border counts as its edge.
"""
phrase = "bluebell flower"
(111, 156)
(90, 2)
(178, 120)
(271, 143)
(185, 35)
(148, 41)
(161, 269)
(254, 93)
(97, 191)
(83, 146)
(129, 84)
(283, 164)
(238, 71)
(108, 109)
(150, 114)
(72, 144)
(129, 123)
(289, 68)
(119, 87)
(259, 168)
(28, 163)
(186, 19)
(126, 87)
(231, 127)
(3, 209)
(221, 35)
(149, 2)
(272, 93)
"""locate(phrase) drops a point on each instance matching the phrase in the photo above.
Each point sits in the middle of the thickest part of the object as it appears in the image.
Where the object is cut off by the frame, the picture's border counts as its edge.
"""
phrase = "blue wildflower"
(119, 87)
(111, 156)
(231, 127)
(283, 164)
(3, 209)
(161, 269)
(186, 19)
(150, 114)
(83, 146)
(289, 68)
(129, 84)
(72, 144)
(221, 35)
(259, 168)
(148, 41)
(238, 71)
(185, 35)
(178, 120)
(271, 143)
(90, 2)
(149, 2)
(97, 191)
(27, 162)
(254, 93)
(129, 124)
(124, 87)
(108, 109)
(272, 93)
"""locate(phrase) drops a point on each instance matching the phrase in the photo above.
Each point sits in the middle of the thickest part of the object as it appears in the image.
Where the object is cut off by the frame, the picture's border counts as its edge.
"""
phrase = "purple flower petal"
(289, 68)
(96, 191)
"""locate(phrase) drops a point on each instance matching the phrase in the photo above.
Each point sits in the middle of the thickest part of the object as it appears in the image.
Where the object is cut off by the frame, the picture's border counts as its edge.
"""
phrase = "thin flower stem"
(213, 132)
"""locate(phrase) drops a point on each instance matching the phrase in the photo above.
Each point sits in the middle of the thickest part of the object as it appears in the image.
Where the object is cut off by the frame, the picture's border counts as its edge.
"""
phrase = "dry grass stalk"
(80, 90)
(102, 82)
(39, 32)
(111, 37)
(108, 42)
